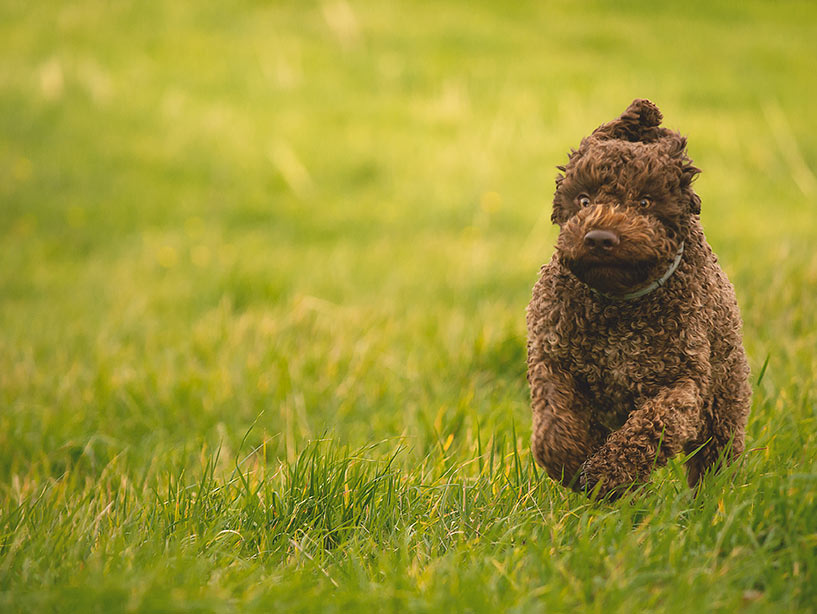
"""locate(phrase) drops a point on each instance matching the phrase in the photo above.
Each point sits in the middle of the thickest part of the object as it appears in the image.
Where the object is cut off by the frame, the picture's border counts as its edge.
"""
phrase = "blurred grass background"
(325, 218)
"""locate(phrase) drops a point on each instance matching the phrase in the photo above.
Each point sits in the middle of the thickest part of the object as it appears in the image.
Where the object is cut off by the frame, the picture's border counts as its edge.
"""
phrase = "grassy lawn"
(263, 271)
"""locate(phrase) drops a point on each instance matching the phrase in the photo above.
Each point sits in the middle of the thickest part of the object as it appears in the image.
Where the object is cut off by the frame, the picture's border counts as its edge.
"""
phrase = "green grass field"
(263, 272)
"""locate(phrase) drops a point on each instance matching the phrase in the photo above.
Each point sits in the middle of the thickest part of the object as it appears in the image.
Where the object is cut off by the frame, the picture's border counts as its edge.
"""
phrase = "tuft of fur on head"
(639, 123)
(618, 167)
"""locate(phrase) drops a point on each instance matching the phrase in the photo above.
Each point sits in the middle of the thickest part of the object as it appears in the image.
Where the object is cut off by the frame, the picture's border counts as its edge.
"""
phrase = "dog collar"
(647, 289)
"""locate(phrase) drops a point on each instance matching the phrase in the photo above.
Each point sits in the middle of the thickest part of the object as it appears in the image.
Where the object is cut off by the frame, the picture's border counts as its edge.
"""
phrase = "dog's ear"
(640, 122)
(688, 174)
(676, 146)
(558, 214)
(694, 202)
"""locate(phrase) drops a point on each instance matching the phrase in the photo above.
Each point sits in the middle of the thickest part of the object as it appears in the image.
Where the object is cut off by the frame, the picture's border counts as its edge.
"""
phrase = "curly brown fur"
(620, 385)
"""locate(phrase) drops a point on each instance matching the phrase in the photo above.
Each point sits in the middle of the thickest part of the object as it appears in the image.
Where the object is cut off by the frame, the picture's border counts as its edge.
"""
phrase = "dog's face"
(624, 202)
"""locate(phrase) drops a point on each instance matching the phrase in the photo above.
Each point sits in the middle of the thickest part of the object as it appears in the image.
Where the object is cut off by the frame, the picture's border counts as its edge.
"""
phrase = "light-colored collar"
(647, 289)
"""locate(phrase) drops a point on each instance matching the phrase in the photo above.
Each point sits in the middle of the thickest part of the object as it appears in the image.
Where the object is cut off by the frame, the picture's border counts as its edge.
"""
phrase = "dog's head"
(625, 201)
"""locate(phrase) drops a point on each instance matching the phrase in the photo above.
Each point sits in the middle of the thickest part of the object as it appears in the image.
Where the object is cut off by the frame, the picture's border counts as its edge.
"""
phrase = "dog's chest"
(624, 362)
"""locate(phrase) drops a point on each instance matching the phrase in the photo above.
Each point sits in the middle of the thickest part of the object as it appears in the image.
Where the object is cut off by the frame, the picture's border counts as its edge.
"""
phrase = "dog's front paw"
(603, 480)
(591, 481)
(585, 480)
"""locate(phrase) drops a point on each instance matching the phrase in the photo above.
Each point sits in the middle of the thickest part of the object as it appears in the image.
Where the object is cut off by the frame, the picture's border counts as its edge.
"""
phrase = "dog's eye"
(583, 200)
(645, 202)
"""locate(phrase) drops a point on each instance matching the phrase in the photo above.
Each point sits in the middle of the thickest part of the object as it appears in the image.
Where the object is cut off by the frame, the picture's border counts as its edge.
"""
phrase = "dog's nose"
(602, 239)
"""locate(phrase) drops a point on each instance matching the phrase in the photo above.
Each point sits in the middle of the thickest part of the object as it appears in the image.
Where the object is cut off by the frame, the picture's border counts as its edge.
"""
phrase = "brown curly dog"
(634, 336)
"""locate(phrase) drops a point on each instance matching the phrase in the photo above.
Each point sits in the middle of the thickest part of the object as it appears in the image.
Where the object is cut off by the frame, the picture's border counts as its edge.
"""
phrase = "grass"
(263, 270)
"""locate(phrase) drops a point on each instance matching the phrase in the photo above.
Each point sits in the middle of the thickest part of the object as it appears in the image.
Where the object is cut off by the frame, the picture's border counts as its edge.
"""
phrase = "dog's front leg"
(653, 433)
(562, 437)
